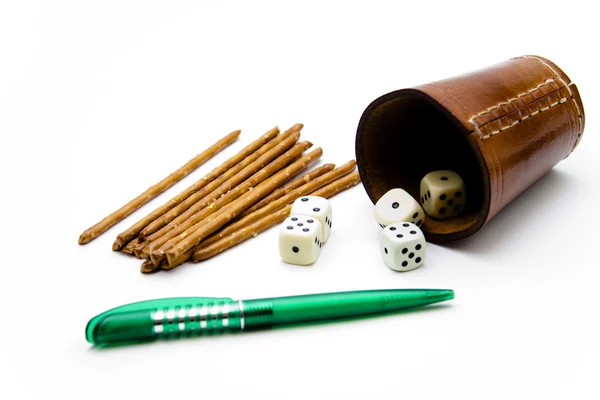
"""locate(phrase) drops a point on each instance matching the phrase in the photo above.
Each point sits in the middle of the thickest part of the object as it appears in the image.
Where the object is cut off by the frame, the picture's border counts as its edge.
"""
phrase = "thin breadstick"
(136, 228)
(288, 187)
(222, 185)
(177, 254)
(157, 189)
(131, 245)
(271, 220)
(281, 202)
(158, 248)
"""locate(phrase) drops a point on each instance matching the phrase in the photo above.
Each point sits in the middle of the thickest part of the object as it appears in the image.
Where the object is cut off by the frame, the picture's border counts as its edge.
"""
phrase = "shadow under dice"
(316, 207)
(443, 194)
(398, 206)
(300, 240)
(403, 246)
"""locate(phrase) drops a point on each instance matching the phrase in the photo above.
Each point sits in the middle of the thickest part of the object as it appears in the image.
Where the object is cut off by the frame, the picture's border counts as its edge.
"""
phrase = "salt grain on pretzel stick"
(271, 220)
(131, 245)
(281, 202)
(177, 254)
(136, 228)
(150, 193)
(288, 187)
(158, 248)
(236, 175)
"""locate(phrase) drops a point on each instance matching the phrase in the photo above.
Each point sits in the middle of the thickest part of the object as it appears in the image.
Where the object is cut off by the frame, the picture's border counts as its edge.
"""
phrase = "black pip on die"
(398, 206)
(316, 207)
(402, 246)
(300, 240)
(443, 194)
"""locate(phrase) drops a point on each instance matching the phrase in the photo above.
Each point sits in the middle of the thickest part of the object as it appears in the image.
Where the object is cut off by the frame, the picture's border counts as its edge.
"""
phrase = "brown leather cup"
(501, 128)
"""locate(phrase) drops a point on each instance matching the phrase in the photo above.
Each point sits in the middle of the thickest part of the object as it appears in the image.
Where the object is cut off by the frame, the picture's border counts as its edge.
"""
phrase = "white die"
(300, 240)
(443, 194)
(398, 206)
(403, 246)
(316, 207)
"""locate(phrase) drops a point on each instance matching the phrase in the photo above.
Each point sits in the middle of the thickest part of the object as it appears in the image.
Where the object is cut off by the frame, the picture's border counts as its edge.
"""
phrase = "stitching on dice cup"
(548, 81)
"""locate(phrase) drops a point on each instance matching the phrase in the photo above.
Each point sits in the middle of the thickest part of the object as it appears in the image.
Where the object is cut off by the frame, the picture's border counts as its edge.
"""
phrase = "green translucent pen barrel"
(329, 306)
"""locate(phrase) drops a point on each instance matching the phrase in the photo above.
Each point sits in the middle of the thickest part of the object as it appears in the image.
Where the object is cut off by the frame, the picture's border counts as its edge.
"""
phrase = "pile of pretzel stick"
(247, 194)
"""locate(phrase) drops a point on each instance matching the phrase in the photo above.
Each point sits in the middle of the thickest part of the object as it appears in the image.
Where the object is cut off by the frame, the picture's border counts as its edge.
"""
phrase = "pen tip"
(444, 294)
(406, 298)
(437, 295)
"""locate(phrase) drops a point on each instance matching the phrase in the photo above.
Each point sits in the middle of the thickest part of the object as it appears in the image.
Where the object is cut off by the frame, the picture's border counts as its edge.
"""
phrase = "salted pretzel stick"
(288, 187)
(203, 253)
(147, 267)
(131, 245)
(158, 248)
(225, 194)
(281, 202)
(214, 190)
(153, 191)
(236, 175)
(271, 220)
(139, 249)
(230, 211)
(136, 228)
(159, 220)
(177, 254)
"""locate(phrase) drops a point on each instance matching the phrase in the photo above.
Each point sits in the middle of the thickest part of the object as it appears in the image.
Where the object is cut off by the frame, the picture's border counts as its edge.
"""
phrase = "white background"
(99, 100)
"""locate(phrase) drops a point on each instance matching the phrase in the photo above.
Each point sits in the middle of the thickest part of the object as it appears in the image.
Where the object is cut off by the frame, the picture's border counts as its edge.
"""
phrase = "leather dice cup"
(500, 128)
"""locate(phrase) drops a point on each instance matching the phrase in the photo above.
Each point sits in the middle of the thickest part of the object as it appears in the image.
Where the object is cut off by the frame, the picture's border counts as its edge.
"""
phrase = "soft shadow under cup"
(500, 128)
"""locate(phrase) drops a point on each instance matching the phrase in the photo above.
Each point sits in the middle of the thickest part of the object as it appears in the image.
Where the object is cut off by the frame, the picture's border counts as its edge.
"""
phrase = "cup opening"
(404, 135)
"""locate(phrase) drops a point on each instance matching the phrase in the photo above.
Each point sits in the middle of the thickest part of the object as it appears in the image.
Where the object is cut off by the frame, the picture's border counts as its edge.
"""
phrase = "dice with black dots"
(398, 206)
(300, 240)
(316, 207)
(443, 194)
(403, 246)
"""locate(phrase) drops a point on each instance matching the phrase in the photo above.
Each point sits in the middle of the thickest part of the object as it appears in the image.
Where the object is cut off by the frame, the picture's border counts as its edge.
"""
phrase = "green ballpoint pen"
(189, 316)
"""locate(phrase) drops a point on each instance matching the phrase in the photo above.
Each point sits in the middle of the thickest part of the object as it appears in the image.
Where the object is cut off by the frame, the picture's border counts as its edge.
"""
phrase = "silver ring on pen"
(242, 322)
